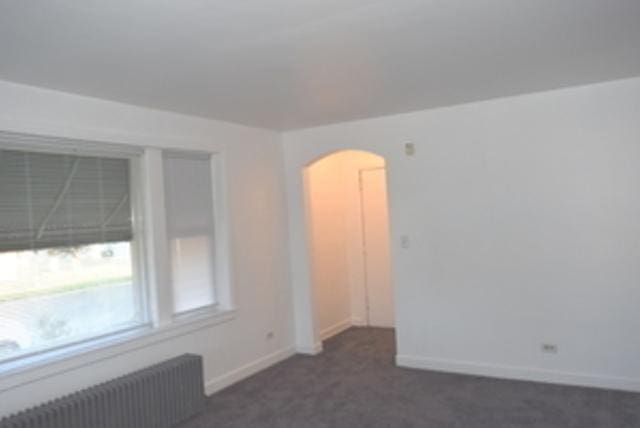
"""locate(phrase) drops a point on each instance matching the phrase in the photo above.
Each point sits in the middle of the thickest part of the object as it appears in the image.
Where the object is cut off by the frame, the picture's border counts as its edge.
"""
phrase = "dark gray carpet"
(354, 383)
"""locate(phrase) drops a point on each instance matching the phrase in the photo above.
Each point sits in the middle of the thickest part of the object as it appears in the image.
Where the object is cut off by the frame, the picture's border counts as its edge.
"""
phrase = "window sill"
(31, 369)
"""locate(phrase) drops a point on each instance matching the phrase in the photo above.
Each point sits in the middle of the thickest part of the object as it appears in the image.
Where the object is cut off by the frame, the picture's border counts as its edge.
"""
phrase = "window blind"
(60, 200)
(189, 203)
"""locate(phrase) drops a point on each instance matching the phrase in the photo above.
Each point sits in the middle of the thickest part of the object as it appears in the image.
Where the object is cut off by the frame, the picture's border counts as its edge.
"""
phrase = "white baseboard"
(518, 373)
(335, 329)
(310, 350)
(228, 379)
(358, 322)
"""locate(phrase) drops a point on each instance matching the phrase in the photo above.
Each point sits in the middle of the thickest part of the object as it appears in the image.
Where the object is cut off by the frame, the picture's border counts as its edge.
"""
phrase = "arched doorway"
(348, 239)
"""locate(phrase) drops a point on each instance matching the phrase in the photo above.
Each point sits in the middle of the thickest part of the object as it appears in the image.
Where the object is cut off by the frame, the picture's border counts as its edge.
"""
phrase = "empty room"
(319, 213)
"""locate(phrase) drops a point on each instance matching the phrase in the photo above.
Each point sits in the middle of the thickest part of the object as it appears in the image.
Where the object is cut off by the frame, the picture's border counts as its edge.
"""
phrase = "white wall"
(335, 231)
(329, 270)
(257, 227)
(523, 215)
(355, 161)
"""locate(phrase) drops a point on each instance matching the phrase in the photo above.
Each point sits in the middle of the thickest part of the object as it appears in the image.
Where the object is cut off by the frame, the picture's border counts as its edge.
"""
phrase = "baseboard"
(358, 322)
(228, 379)
(310, 350)
(335, 329)
(518, 373)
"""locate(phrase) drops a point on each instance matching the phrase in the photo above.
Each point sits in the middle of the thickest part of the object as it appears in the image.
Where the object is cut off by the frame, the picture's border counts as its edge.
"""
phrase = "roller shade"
(59, 200)
(190, 229)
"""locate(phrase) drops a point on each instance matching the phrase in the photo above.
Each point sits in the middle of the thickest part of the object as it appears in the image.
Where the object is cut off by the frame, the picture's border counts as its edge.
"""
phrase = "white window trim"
(140, 269)
(46, 365)
(222, 241)
(152, 258)
(63, 145)
(157, 244)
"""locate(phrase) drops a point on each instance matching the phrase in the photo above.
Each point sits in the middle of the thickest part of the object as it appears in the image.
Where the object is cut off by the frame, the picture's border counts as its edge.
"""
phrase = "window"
(73, 268)
(69, 268)
(190, 229)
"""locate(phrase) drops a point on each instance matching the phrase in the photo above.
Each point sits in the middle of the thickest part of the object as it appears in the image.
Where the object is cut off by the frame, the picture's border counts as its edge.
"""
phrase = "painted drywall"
(355, 161)
(336, 242)
(522, 215)
(257, 229)
(330, 272)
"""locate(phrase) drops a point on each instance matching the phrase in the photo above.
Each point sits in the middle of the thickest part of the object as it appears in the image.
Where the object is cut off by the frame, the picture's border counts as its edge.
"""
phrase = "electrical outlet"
(405, 242)
(549, 348)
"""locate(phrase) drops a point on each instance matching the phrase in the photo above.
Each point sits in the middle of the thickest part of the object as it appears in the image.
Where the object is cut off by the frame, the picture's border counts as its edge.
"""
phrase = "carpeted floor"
(354, 383)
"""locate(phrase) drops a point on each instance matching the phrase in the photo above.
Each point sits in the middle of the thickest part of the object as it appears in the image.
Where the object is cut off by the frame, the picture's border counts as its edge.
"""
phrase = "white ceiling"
(287, 64)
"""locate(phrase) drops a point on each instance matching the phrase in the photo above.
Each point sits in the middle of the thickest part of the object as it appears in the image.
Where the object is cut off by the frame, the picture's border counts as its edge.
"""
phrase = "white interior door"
(375, 222)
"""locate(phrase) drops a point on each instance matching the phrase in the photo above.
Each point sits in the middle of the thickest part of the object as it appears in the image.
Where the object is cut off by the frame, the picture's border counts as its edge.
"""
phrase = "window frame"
(149, 262)
(39, 144)
(212, 233)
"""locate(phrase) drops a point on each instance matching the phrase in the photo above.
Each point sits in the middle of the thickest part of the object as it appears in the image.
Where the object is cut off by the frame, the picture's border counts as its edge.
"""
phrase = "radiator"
(159, 396)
